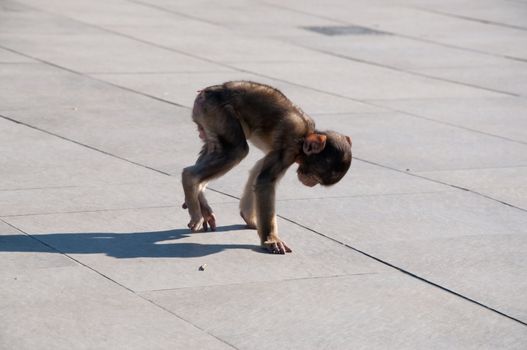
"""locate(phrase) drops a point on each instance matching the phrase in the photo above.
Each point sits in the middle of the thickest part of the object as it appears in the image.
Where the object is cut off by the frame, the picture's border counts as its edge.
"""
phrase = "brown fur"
(230, 114)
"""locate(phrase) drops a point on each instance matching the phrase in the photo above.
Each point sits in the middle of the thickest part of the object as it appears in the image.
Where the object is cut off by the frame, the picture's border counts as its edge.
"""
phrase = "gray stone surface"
(362, 81)
(508, 77)
(74, 307)
(41, 161)
(483, 240)
(149, 249)
(422, 245)
(503, 117)
(181, 88)
(342, 313)
(504, 184)
(411, 142)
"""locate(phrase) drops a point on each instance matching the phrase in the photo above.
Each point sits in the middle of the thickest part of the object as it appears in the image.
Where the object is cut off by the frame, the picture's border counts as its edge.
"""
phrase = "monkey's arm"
(273, 168)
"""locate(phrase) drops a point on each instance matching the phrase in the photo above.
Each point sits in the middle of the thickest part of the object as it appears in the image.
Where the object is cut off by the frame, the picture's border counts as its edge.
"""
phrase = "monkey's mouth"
(307, 180)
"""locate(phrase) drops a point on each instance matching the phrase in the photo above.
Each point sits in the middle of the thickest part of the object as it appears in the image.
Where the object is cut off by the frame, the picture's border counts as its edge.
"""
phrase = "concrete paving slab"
(509, 77)
(10, 57)
(509, 42)
(498, 116)
(110, 13)
(504, 184)
(238, 15)
(369, 82)
(342, 313)
(411, 143)
(148, 135)
(145, 194)
(102, 52)
(19, 19)
(230, 45)
(489, 268)
(74, 307)
(151, 249)
(362, 179)
(416, 217)
(396, 51)
(53, 88)
(393, 18)
(486, 11)
(32, 159)
(20, 253)
(171, 25)
(6, 229)
(181, 88)
(124, 231)
(414, 232)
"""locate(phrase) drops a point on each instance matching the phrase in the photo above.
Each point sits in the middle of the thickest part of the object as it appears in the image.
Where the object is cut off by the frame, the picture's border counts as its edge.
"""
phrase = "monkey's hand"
(276, 246)
(206, 219)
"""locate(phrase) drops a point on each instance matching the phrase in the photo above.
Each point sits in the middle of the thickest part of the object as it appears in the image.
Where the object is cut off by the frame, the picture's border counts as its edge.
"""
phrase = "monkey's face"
(328, 166)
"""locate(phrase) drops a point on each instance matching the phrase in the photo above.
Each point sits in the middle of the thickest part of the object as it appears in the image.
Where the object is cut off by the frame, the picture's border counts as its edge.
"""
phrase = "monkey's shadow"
(157, 244)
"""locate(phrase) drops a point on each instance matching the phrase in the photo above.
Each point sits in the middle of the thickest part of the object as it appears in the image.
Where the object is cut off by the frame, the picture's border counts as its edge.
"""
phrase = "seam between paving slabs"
(402, 70)
(366, 102)
(282, 217)
(160, 8)
(91, 77)
(422, 279)
(444, 183)
(262, 282)
(386, 263)
(168, 174)
(182, 14)
(117, 283)
(241, 70)
(415, 38)
(208, 60)
(286, 219)
(210, 202)
(88, 211)
(471, 19)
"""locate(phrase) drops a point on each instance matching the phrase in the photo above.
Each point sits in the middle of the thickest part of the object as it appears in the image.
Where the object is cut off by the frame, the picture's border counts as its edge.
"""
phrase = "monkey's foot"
(250, 223)
(195, 224)
(276, 246)
(207, 219)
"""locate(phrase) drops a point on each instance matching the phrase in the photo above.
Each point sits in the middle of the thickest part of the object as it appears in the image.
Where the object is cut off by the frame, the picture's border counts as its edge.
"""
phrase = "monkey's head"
(325, 159)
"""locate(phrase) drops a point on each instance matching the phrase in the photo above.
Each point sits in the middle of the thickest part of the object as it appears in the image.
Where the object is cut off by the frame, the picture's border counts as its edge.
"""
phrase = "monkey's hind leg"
(210, 166)
(225, 146)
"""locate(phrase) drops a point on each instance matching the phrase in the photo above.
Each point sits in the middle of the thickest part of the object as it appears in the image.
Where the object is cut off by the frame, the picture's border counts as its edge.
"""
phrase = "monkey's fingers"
(286, 248)
(278, 247)
(272, 248)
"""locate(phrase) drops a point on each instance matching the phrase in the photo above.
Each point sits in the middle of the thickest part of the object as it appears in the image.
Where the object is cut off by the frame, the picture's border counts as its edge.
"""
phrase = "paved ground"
(423, 245)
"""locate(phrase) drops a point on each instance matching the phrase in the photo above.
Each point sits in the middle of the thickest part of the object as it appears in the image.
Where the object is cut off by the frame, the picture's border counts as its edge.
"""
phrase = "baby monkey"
(235, 112)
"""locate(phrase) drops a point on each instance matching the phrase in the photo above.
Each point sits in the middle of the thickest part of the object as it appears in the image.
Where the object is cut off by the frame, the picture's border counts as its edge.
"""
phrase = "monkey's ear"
(349, 139)
(314, 143)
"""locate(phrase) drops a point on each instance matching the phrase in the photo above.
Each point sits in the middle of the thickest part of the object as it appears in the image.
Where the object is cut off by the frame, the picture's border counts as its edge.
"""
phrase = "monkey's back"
(265, 108)
(268, 118)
